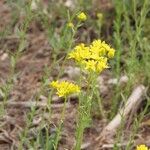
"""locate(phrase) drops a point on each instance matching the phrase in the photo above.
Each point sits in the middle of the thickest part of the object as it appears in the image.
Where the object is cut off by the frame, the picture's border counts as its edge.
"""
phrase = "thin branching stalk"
(58, 134)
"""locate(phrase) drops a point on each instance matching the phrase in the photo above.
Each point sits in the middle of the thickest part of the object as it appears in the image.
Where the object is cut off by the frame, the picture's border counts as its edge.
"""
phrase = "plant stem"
(60, 125)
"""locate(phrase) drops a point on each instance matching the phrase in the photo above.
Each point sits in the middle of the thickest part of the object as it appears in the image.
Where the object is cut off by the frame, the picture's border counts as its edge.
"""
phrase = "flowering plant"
(93, 57)
(65, 88)
(142, 147)
(82, 16)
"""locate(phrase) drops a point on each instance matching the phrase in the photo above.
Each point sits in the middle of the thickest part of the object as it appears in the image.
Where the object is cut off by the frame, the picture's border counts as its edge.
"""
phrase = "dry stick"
(112, 145)
(133, 102)
(30, 104)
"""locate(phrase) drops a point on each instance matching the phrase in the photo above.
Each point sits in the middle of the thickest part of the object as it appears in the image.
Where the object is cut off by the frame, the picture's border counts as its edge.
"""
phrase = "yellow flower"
(111, 53)
(65, 88)
(102, 64)
(93, 57)
(70, 25)
(80, 52)
(54, 84)
(97, 47)
(141, 147)
(90, 65)
(101, 48)
(96, 65)
(82, 16)
(99, 16)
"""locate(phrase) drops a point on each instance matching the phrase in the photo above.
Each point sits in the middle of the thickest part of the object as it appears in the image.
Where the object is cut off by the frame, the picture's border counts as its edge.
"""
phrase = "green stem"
(60, 125)
(79, 135)
(84, 110)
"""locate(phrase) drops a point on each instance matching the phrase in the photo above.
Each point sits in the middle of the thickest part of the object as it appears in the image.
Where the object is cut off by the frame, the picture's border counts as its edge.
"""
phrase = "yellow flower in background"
(142, 147)
(70, 25)
(65, 88)
(82, 16)
(99, 16)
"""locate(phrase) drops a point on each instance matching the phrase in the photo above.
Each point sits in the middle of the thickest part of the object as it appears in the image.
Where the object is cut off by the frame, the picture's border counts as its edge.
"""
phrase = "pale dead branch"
(29, 104)
(133, 102)
(112, 145)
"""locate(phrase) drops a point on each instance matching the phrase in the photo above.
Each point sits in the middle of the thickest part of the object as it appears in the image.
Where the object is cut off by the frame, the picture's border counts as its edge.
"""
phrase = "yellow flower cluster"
(65, 88)
(82, 16)
(141, 147)
(93, 57)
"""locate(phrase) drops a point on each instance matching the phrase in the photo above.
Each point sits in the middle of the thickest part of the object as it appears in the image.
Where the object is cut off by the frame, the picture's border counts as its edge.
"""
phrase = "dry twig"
(29, 104)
